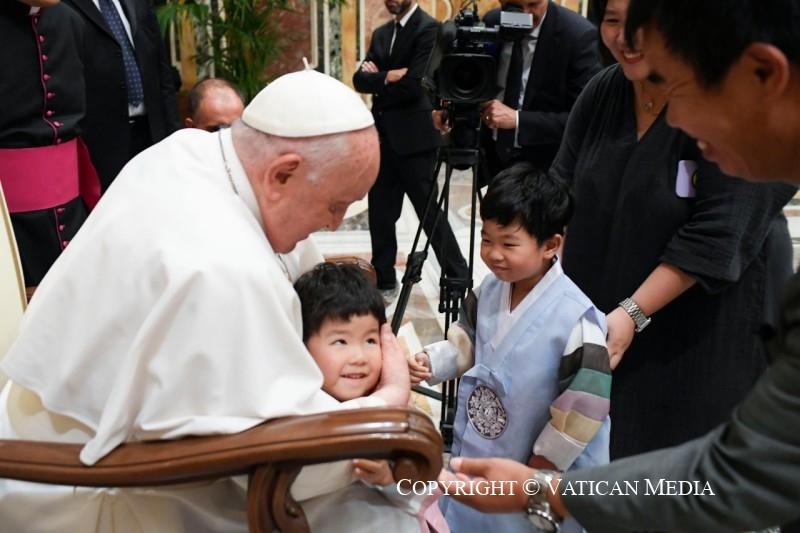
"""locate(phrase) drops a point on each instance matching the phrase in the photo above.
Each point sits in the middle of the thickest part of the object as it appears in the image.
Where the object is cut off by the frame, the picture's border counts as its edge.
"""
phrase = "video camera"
(462, 67)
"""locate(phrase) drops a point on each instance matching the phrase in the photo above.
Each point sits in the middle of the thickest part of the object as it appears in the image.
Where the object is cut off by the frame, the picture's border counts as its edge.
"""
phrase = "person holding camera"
(392, 73)
(539, 79)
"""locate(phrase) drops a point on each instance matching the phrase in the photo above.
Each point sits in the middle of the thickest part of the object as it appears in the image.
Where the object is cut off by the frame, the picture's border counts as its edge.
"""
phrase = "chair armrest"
(366, 267)
(272, 453)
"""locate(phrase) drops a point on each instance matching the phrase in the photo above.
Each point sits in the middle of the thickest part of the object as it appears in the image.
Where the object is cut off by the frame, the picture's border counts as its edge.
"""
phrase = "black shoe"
(389, 295)
(393, 284)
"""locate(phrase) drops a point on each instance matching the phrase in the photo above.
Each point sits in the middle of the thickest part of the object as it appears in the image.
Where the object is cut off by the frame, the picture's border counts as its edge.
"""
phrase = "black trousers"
(141, 139)
(412, 175)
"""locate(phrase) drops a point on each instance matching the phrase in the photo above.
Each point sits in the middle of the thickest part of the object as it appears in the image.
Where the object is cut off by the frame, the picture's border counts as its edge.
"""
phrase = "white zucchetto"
(307, 104)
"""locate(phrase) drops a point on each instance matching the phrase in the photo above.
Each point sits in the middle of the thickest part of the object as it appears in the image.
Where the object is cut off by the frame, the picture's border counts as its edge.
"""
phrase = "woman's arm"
(663, 285)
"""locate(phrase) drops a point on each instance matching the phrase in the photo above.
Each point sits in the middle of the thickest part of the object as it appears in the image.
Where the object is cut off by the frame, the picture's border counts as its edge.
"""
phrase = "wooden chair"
(365, 266)
(271, 453)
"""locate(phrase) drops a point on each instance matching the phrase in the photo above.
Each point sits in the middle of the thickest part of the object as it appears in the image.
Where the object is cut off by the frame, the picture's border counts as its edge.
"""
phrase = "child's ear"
(552, 245)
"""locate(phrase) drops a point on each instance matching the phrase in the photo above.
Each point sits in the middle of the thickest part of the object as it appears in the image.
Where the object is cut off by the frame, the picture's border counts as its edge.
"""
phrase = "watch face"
(543, 523)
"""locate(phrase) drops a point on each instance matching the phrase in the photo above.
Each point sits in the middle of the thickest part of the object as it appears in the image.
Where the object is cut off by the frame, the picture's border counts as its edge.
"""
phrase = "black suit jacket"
(402, 110)
(106, 129)
(567, 56)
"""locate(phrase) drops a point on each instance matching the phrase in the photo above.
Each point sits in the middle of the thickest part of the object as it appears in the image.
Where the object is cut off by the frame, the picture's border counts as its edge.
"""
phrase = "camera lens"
(467, 77)
(469, 80)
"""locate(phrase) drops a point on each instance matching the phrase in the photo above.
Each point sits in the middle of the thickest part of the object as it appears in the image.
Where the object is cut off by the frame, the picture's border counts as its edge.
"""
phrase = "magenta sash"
(48, 176)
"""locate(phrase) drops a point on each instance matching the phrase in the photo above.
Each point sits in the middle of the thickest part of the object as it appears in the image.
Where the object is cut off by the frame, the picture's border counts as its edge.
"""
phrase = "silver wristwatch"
(538, 508)
(636, 314)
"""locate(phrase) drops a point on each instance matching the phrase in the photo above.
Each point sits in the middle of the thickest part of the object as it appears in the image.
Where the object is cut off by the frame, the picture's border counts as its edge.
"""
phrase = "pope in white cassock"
(171, 314)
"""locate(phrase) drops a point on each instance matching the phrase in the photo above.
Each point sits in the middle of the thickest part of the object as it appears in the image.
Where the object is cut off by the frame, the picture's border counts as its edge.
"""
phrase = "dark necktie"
(514, 76)
(505, 137)
(133, 79)
(395, 34)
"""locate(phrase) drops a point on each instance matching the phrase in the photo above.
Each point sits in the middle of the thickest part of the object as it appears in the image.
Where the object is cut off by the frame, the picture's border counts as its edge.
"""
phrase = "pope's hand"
(393, 386)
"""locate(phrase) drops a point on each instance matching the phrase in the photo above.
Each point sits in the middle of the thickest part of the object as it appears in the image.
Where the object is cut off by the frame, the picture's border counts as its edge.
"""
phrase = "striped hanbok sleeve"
(584, 379)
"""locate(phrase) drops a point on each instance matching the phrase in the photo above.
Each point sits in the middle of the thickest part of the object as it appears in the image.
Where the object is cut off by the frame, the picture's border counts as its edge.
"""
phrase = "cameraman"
(546, 74)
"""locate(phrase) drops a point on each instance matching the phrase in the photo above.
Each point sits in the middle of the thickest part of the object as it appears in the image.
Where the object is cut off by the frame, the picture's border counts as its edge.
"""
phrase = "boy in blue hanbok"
(529, 347)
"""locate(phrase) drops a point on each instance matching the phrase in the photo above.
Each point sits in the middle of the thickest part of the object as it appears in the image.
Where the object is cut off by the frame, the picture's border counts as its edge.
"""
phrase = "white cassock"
(170, 315)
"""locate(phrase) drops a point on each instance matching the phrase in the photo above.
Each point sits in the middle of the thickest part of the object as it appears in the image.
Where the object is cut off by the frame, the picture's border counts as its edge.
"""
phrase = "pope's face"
(728, 121)
(308, 205)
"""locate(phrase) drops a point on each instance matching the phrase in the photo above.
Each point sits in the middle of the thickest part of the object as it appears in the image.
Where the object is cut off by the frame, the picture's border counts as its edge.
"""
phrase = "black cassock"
(43, 101)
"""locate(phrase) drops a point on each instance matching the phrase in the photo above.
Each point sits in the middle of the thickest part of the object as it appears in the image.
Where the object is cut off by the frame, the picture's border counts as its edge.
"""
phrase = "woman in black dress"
(659, 227)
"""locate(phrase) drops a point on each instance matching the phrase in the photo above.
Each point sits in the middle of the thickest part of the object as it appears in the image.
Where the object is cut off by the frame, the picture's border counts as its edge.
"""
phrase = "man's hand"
(393, 385)
(496, 469)
(620, 335)
(374, 472)
(369, 66)
(440, 120)
(496, 115)
(492, 469)
(419, 366)
(395, 75)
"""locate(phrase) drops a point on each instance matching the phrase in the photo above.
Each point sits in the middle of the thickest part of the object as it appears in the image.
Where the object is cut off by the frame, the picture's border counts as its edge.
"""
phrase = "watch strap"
(639, 318)
(538, 508)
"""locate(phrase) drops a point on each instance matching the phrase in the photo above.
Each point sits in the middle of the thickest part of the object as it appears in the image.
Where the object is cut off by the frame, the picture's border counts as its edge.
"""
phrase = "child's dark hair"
(336, 291)
(538, 200)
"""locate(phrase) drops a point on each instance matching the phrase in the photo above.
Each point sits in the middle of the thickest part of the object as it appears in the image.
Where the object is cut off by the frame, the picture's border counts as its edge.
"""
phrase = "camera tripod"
(452, 291)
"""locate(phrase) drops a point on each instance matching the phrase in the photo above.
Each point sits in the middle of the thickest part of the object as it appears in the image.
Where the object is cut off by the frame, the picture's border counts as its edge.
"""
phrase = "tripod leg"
(452, 290)
(454, 300)
(413, 271)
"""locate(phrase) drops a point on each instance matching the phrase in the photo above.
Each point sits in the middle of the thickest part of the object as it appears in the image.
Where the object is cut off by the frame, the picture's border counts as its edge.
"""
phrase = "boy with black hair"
(529, 347)
(342, 316)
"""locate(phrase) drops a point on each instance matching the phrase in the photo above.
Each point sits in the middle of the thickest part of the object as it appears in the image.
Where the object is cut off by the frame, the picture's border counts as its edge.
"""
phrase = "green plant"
(240, 40)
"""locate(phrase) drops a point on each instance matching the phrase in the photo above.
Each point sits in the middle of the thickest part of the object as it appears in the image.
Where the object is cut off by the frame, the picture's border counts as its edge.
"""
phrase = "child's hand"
(375, 472)
(540, 462)
(419, 368)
